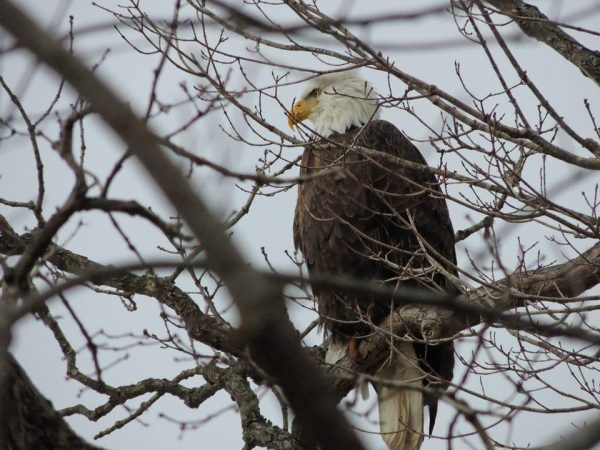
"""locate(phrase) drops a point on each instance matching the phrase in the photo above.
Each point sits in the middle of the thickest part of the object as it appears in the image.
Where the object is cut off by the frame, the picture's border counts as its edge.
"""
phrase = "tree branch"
(31, 421)
(431, 315)
(535, 24)
(265, 326)
(582, 438)
(562, 280)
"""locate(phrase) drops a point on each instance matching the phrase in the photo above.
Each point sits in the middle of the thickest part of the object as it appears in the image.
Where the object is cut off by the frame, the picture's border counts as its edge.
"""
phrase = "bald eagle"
(377, 223)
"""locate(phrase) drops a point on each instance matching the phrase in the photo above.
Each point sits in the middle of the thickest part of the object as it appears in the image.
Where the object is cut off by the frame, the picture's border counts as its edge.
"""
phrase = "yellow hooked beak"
(300, 111)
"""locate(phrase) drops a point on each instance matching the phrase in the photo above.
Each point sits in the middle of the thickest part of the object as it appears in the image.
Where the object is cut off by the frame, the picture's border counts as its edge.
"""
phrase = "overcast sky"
(270, 223)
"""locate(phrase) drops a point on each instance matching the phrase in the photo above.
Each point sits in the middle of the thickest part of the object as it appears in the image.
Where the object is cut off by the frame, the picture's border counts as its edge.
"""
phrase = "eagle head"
(334, 103)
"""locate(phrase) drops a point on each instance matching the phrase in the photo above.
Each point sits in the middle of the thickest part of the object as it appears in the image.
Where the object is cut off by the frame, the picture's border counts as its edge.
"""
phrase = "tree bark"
(265, 327)
(536, 25)
(30, 421)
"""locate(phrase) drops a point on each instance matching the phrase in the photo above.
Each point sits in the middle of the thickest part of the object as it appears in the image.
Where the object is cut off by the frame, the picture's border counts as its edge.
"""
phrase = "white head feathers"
(339, 101)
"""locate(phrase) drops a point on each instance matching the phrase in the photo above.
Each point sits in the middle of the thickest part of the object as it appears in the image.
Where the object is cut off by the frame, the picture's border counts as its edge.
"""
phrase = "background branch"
(537, 25)
(30, 420)
(265, 323)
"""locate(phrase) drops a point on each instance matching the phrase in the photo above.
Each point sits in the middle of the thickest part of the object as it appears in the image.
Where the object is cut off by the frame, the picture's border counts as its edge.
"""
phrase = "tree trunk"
(31, 422)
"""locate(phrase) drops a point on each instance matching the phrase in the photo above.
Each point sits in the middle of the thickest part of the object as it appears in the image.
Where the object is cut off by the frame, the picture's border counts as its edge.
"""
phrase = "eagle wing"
(368, 218)
(372, 220)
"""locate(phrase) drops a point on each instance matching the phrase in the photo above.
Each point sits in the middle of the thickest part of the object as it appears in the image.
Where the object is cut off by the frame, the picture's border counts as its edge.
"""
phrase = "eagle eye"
(314, 92)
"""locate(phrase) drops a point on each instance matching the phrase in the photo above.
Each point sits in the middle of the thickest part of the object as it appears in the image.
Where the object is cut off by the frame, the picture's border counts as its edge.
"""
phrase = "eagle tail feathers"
(401, 410)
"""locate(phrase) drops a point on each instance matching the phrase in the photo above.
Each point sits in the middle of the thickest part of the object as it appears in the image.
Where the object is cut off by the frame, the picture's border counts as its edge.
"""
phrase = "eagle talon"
(353, 348)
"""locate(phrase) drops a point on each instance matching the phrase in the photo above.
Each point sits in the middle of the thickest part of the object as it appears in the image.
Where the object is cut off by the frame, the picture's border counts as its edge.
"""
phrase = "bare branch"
(265, 323)
(535, 24)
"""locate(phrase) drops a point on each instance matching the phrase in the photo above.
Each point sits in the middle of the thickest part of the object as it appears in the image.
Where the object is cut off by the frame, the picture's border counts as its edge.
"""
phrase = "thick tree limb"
(485, 304)
(535, 24)
(31, 422)
(201, 327)
(265, 326)
(562, 280)
(257, 431)
(488, 303)
(583, 438)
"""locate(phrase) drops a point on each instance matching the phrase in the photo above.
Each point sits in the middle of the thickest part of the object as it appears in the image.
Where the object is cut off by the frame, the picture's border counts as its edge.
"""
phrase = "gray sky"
(270, 223)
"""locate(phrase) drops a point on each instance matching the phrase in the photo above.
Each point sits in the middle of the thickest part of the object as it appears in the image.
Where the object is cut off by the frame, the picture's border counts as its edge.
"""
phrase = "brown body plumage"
(377, 222)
